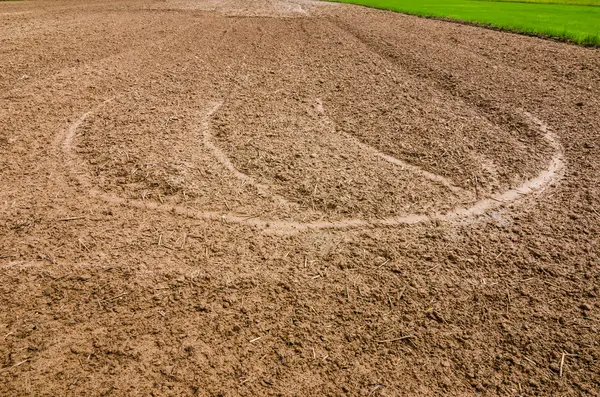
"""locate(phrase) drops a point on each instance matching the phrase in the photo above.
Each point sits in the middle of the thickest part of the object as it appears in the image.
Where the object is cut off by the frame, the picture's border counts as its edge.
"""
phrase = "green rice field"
(573, 20)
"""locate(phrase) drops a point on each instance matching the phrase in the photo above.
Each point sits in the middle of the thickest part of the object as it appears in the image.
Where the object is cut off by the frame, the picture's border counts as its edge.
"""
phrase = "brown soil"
(287, 197)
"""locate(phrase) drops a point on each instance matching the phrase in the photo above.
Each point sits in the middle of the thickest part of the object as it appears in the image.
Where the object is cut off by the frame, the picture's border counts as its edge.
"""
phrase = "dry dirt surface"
(293, 198)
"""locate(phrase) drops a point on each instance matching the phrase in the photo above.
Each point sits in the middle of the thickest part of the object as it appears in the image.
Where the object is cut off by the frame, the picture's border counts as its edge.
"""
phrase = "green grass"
(573, 20)
(593, 3)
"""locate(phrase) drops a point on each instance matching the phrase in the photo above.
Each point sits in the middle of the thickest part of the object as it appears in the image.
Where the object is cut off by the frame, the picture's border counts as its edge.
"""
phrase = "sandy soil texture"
(293, 198)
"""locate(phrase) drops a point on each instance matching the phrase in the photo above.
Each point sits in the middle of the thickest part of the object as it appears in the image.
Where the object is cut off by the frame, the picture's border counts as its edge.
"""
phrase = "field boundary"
(591, 41)
(496, 28)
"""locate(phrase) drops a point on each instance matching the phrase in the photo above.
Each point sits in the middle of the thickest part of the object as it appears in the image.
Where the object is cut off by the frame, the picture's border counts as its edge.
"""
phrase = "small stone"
(585, 306)
(589, 145)
(75, 349)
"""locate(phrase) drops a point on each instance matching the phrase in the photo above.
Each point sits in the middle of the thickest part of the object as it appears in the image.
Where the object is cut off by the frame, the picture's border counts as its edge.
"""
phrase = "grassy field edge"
(591, 40)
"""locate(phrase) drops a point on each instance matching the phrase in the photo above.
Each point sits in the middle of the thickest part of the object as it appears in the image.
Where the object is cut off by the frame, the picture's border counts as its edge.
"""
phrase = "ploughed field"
(290, 197)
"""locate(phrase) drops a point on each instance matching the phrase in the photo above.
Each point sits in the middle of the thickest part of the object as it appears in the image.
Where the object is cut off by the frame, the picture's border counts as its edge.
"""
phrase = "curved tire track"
(448, 184)
(544, 179)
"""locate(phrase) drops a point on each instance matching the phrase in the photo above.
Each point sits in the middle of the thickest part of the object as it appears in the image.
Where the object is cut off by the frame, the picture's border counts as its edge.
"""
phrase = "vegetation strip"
(577, 21)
